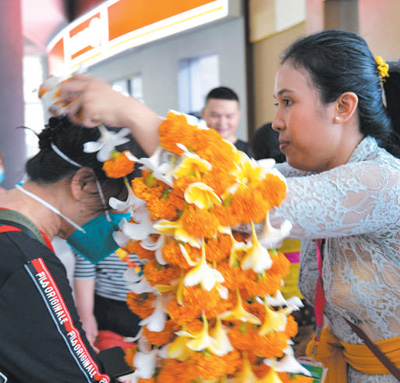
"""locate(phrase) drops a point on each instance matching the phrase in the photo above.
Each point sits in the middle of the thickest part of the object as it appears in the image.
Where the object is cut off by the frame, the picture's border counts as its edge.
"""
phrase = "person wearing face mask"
(66, 194)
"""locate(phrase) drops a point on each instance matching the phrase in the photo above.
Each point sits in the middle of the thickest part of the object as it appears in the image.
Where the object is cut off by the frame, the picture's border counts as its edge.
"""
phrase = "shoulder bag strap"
(376, 350)
(13, 218)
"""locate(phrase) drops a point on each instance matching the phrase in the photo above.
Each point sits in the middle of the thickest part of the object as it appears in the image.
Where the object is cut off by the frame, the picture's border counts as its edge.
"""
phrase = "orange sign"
(117, 25)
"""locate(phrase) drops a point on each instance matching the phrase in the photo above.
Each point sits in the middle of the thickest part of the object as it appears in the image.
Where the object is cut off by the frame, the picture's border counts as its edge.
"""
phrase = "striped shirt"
(109, 275)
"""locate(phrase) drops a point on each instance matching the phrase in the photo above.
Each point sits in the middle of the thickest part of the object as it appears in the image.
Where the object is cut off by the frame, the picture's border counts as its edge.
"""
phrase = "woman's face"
(308, 135)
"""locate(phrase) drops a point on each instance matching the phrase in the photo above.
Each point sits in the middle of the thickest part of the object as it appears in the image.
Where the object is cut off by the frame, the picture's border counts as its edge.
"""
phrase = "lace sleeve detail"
(356, 198)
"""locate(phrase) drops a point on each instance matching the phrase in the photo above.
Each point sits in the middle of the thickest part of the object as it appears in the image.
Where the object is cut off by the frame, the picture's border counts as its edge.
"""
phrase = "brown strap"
(376, 350)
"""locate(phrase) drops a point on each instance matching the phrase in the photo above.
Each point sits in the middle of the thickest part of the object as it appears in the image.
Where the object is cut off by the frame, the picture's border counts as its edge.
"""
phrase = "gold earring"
(337, 119)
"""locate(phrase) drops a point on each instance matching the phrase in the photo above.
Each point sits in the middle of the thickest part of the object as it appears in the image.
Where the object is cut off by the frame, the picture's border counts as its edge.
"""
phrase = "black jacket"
(41, 337)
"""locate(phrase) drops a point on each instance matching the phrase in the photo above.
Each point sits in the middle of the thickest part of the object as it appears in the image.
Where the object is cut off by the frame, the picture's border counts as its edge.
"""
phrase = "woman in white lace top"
(343, 187)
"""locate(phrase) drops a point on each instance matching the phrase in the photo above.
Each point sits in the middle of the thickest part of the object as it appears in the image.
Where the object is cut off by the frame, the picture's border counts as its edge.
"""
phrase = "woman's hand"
(91, 101)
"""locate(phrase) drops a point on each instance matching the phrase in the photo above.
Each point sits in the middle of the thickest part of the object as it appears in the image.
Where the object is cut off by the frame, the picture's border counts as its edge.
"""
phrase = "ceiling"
(43, 19)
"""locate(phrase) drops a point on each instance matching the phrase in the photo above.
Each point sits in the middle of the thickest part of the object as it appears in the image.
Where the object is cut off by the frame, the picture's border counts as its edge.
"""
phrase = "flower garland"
(209, 294)
(209, 291)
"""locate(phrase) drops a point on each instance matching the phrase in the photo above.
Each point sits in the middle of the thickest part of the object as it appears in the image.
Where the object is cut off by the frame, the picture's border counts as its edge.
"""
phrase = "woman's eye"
(286, 102)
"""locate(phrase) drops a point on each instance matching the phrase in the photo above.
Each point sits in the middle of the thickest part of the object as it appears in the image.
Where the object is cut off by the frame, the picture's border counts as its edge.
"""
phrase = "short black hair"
(222, 93)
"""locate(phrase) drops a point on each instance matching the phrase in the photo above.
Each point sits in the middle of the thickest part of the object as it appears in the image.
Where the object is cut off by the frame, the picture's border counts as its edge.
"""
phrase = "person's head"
(329, 96)
(222, 112)
(265, 144)
(48, 167)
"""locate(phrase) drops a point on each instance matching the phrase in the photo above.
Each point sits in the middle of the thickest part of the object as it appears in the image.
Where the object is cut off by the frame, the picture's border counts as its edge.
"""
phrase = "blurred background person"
(222, 113)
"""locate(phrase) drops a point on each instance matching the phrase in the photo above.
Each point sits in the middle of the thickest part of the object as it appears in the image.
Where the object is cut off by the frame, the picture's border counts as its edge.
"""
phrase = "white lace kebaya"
(356, 208)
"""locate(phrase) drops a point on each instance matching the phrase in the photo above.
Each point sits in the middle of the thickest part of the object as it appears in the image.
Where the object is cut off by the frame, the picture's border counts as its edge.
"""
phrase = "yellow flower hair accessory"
(382, 67)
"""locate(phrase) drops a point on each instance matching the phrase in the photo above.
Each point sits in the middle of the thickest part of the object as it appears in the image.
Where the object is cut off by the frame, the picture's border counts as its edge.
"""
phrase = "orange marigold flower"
(140, 304)
(157, 274)
(291, 327)
(162, 208)
(134, 247)
(241, 335)
(209, 366)
(130, 354)
(119, 165)
(174, 371)
(249, 205)
(182, 314)
(273, 190)
(256, 308)
(172, 254)
(288, 378)
(147, 187)
(199, 299)
(142, 380)
(253, 284)
(199, 222)
(219, 180)
(280, 265)
(219, 248)
(270, 345)
(167, 335)
(176, 129)
(182, 183)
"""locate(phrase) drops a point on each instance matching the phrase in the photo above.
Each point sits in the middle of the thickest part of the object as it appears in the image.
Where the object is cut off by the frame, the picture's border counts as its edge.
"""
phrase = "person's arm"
(92, 101)
(84, 291)
(84, 300)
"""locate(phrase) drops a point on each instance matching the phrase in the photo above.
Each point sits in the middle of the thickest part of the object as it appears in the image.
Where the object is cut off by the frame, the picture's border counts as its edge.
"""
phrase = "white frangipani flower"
(106, 143)
(140, 230)
(278, 300)
(257, 257)
(271, 237)
(145, 363)
(222, 345)
(132, 203)
(156, 321)
(288, 363)
(203, 274)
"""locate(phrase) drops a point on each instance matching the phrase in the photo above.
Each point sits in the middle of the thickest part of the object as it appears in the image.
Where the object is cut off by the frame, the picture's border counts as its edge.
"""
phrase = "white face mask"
(49, 206)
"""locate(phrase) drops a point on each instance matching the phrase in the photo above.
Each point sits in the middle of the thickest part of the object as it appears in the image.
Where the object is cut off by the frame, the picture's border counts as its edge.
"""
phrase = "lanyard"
(320, 299)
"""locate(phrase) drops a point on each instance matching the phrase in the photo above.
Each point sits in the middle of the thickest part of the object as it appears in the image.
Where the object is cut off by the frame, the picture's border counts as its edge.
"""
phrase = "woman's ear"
(82, 182)
(346, 107)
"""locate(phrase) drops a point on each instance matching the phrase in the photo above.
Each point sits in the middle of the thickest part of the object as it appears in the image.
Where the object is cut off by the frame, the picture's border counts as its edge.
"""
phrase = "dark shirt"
(243, 146)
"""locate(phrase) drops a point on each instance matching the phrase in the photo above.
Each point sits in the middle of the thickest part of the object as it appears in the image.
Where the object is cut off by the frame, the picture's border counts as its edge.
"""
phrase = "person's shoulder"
(243, 146)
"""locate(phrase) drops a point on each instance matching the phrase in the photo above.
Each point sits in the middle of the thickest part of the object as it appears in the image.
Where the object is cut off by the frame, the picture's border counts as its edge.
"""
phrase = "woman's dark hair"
(338, 62)
(48, 167)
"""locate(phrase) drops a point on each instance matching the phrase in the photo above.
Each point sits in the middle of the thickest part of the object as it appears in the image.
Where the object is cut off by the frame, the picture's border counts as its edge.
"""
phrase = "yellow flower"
(382, 67)
(257, 257)
(192, 165)
(223, 345)
(199, 340)
(271, 377)
(249, 172)
(239, 313)
(178, 349)
(246, 375)
(201, 195)
(175, 229)
(274, 321)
